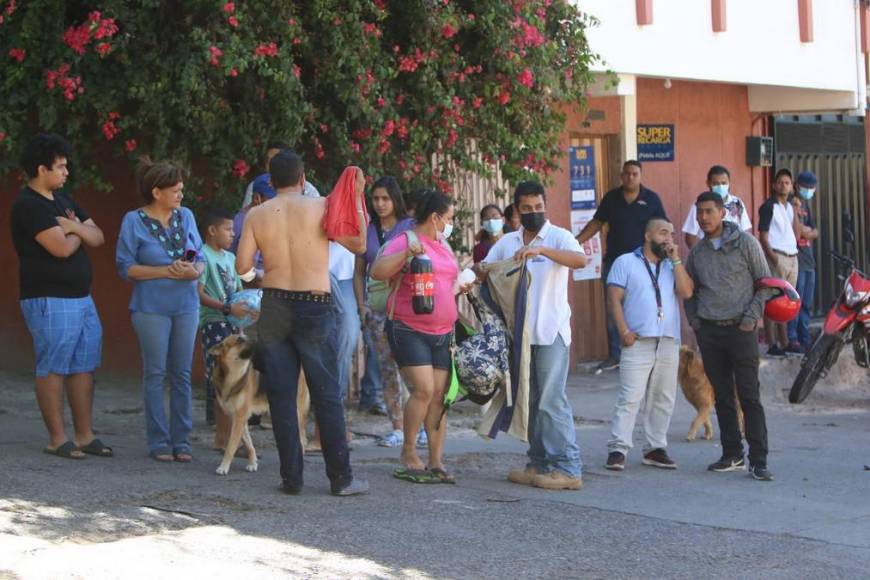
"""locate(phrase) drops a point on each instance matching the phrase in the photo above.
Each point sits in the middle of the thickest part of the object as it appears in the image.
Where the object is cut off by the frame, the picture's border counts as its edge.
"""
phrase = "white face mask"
(721, 189)
(448, 229)
(493, 226)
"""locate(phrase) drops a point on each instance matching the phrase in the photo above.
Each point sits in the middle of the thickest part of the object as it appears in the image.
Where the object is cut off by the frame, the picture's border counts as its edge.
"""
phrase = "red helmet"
(785, 304)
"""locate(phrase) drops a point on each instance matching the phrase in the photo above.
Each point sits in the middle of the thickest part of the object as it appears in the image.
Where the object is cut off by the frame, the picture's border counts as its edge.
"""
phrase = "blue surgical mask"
(493, 226)
(807, 192)
(448, 229)
(721, 189)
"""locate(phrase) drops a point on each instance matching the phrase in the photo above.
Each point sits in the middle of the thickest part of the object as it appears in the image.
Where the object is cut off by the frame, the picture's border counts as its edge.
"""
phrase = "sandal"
(162, 456)
(98, 448)
(442, 475)
(183, 457)
(65, 450)
(416, 475)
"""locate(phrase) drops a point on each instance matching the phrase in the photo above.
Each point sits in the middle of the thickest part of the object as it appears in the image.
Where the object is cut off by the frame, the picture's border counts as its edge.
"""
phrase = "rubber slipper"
(442, 475)
(163, 456)
(64, 450)
(416, 475)
(98, 448)
(183, 457)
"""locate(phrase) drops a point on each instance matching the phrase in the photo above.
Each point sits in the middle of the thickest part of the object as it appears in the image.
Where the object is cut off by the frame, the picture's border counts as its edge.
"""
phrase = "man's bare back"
(288, 233)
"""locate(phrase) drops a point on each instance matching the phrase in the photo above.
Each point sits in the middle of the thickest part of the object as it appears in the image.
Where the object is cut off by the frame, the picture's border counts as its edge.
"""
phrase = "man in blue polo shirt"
(642, 290)
(626, 211)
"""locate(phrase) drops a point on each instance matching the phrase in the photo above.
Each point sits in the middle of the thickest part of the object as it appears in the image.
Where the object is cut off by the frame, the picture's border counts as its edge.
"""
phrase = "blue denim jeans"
(296, 334)
(167, 344)
(799, 328)
(614, 341)
(348, 328)
(552, 439)
(370, 387)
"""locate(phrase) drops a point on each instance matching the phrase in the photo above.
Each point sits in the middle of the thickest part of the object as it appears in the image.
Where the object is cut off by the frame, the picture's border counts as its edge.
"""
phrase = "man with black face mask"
(550, 253)
(642, 292)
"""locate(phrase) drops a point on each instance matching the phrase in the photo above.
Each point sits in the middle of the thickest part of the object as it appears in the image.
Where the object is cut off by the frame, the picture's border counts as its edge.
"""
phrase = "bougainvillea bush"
(389, 85)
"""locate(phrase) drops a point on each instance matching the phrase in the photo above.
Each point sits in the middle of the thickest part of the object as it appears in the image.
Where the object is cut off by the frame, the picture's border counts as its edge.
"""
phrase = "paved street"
(131, 517)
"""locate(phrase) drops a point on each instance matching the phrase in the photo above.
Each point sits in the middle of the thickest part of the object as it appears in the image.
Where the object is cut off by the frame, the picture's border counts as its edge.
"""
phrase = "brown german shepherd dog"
(699, 392)
(237, 390)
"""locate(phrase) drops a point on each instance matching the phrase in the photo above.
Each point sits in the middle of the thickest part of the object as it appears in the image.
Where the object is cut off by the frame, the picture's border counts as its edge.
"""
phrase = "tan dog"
(237, 390)
(699, 392)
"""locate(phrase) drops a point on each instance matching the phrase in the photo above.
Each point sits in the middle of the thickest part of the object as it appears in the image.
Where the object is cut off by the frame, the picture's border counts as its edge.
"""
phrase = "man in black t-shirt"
(626, 211)
(48, 231)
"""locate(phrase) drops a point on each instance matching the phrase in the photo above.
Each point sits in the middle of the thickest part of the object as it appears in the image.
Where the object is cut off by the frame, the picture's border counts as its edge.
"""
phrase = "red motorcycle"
(847, 321)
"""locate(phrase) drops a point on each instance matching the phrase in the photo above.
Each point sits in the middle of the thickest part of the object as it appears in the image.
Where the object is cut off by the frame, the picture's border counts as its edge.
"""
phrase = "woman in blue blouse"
(159, 252)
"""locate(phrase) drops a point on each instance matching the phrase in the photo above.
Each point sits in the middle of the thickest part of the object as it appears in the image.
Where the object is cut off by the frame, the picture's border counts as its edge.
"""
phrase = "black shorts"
(416, 349)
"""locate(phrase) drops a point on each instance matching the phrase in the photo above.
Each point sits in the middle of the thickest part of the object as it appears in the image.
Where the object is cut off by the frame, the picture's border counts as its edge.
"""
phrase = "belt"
(298, 295)
(784, 254)
(729, 322)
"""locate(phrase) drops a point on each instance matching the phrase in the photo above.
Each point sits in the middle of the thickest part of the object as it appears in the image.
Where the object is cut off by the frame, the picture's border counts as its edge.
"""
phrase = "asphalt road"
(129, 517)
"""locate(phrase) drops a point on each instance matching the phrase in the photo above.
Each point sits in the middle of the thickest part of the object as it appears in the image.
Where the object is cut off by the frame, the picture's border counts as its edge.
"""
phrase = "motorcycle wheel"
(812, 367)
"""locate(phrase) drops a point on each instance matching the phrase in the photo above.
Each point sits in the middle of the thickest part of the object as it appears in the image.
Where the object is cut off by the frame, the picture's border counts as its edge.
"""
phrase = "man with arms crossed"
(724, 311)
(298, 320)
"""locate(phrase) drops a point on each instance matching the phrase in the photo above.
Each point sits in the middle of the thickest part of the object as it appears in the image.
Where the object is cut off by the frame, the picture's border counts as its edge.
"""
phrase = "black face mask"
(658, 250)
(534, 221)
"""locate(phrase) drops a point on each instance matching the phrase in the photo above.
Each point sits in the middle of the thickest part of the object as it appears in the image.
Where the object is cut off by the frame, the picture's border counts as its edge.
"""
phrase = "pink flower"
(448, 31)
(389, 128)
(240, 168)
(292, 22)
(103, 48)
(380, 102)
(383, 146)
(110, 130)
(372, 29)
(318, 149)
(77, 38)
(106, 28)
(2, 136)
(216, 53)
(400, 98)
(17, 53)
(229, 7)
(297, 71)
(270, 50)
(526, 78)
(233, 21)
(130, 145)
(10, 8)
(504, 97)
(234, 73)
(476, 102)
(355, 147)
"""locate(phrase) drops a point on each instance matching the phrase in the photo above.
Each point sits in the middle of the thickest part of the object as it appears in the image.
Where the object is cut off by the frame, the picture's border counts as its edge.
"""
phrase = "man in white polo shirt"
(550, 253)
(643, 287)
(779, 228)
(719, 182)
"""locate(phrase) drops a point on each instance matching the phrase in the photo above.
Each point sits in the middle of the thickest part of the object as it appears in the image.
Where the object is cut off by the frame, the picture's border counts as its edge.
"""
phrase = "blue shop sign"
(655, 142)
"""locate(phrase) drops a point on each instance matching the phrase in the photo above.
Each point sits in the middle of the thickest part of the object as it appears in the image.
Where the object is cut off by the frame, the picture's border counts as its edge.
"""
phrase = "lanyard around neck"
(654, 278)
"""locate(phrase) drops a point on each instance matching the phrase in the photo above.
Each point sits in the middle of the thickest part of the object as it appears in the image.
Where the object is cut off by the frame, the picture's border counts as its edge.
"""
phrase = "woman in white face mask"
(492, 222)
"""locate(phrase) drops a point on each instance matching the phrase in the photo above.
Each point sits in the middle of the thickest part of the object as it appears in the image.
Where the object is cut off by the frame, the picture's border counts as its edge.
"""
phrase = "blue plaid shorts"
(67, 335)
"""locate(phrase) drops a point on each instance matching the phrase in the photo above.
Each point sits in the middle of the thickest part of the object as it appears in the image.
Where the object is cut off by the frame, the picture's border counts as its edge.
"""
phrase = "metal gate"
(841, 192)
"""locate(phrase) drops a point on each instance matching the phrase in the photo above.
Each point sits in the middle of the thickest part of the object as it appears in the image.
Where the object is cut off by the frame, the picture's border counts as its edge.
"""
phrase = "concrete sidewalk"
(129, 517)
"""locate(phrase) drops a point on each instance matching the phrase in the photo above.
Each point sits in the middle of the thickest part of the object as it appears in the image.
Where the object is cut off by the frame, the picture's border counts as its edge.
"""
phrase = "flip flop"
(416, 475)
(183, 457)
(64, 450)
(442, 475)
(162, 455)
(98, 448)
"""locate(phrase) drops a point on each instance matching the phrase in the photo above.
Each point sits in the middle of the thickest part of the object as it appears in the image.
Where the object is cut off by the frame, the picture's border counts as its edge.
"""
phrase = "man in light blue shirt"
(643, 287)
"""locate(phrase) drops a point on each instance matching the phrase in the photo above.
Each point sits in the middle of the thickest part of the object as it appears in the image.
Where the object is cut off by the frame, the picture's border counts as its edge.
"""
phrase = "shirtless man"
(298, 319)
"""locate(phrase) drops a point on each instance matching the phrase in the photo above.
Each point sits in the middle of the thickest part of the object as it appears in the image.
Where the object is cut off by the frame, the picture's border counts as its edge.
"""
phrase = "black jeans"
(731, 356)
(296, 333)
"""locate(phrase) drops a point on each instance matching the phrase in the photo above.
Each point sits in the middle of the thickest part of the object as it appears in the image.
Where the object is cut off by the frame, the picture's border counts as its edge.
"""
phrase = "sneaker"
(557, 480)
(761, 473)
(794, 349)
(378, 409)
(727, 464)
(775, 352)
(422, 439)
(392, 439)
(355, 487)
(610, 364)
(291, 489)
(523, 476)
(615, 461)
(659, 458)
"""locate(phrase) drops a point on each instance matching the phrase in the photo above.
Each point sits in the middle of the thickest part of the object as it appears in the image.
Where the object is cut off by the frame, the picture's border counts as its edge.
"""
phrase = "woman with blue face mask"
(492, 222)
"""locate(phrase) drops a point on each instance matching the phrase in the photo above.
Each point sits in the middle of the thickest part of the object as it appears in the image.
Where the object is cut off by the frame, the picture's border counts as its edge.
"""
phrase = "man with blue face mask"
(799, 328)
(718, 181)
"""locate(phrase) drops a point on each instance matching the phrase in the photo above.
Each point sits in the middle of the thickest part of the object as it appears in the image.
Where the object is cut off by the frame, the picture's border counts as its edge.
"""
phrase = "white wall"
(761, 45)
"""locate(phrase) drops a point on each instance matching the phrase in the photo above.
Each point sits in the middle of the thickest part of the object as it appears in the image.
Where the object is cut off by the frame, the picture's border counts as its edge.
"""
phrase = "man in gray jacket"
(724, 311)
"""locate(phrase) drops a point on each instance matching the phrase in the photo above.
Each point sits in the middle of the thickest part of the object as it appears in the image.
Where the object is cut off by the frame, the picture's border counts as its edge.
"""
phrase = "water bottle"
(423, 299)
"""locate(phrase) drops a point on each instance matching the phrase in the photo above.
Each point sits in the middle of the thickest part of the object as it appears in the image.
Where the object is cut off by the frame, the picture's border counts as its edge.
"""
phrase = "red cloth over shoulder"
(340, 219)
